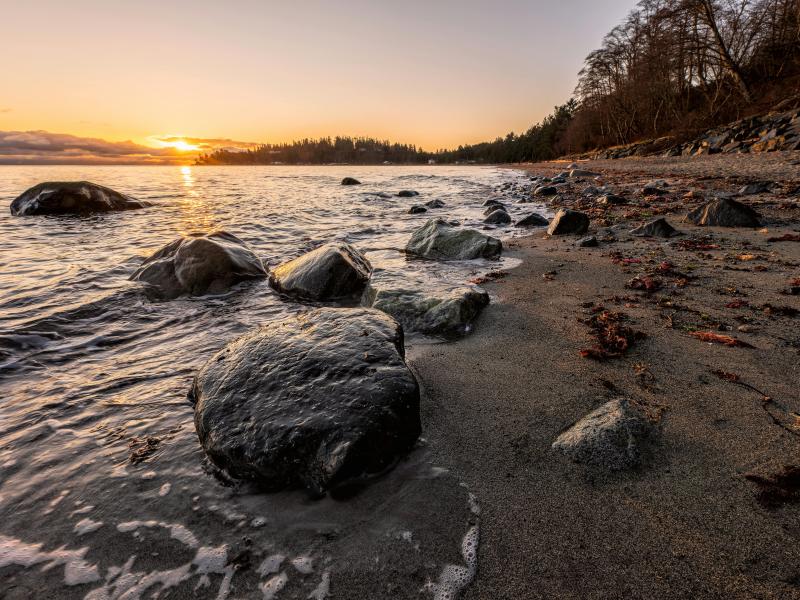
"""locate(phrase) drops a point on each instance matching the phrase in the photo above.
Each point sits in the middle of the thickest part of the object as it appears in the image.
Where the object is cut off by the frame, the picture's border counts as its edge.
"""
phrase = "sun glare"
(179, 145)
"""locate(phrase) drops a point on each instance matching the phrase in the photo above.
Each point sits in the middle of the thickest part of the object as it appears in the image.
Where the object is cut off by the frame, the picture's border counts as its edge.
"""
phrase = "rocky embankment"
(765, 133)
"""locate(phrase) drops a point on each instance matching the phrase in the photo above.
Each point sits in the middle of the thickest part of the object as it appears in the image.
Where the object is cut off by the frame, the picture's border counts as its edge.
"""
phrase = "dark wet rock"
(545, 190)
(313, 400)
(498, 217)
(760, 187)
(439, 240)
(587, 242)
(492, 202)
(407, 193)
(568, 221)
(610, 437)
(199, 264)
(417, 209)
(350, 181)
(657, 228)
(434, 203)
(442, 312)
(724, 212)
(532, 220)
(651, 190)
(335, 270)
(612, 200)
(492, 208)
(72, 198)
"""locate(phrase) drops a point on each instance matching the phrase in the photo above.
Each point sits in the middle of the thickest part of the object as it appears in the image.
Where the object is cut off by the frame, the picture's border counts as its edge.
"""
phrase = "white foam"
(322, 590)
(303, 564)
(86, 525)
(271, 564)
(272, 586)
(55, 501)
(164, 489)
(176, 530)
(77, 570)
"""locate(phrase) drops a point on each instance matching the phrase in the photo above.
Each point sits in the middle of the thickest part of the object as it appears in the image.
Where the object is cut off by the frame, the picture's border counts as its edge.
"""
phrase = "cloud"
(44, 147)
(5, 110)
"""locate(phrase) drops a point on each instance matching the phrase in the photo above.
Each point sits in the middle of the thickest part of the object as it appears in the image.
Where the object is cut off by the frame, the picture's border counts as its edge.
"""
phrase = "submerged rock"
(568, 221)
(417, 209)
(492, 202)
(498, 217)
(658, 228)
(334, 270)
(446, 312)
(493, 207)
(72, 198)
(436, 203)
(199, 264)
(532, 220)
(312, 400)
(407, 193)
(609, 437)
(724, 212)
(350, 181)
(439, 240)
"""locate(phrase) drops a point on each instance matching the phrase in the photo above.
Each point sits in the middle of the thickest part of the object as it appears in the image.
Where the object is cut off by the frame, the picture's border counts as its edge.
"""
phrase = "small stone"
(587, 242)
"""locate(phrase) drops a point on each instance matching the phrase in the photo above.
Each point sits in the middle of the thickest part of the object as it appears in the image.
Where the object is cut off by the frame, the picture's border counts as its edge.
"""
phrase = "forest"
(672, 67)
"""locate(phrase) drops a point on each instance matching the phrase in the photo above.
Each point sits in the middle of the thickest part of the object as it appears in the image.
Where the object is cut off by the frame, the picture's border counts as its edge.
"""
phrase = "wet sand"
(689, 522)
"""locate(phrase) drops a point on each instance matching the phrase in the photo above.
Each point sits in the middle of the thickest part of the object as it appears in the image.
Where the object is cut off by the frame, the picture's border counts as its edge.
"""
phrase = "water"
(92, 371)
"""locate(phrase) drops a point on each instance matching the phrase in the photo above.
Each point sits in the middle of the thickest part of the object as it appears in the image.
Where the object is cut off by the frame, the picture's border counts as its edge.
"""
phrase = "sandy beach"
(712, 512)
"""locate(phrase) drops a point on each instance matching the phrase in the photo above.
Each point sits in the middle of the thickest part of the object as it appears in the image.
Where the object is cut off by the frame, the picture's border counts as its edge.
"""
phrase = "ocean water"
(92, 373)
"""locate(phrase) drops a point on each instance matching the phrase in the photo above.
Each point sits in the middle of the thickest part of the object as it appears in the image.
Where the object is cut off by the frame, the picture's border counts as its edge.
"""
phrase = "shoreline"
(692, 520)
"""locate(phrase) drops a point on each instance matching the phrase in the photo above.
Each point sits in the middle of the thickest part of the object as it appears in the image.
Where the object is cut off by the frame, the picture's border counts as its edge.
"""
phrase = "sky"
(155, 81)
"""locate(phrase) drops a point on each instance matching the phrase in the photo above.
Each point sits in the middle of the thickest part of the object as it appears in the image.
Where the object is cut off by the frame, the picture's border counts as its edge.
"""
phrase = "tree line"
(672, 67)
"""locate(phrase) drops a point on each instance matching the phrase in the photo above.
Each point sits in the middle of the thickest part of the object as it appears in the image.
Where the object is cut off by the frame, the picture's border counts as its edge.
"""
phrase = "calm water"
(89, 368)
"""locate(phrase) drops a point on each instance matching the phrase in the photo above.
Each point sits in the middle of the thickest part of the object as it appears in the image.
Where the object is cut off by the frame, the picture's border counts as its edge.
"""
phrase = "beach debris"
(498, 217)
(695, 244)
(199, 264)
(532, 220)
(610, 437)
(644, 283)
(568, 221)
(786, 237)
(724, 212)
(72, 198)
(350, 181)
(335, 270)
(447, 312)
(716, 338)
(312, 400)
(612, 338)
(658, 228)
(438, 240)
(778, 488)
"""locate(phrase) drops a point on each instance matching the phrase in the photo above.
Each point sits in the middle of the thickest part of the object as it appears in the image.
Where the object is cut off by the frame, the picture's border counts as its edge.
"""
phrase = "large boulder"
(439, 240)
(445, 312)
(657, 228)
(199, 264)
(610, 437)
(724, 212)
(334, 270)
(568, 221)
(312, 400)
(72, 198)
(532, 220)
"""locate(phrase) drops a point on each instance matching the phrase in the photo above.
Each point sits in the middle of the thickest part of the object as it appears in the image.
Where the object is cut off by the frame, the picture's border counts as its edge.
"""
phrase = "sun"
(180, 145)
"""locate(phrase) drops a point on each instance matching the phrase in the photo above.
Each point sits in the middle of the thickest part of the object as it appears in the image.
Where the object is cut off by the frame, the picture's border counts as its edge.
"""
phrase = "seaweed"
(612, 337)
(716, 338)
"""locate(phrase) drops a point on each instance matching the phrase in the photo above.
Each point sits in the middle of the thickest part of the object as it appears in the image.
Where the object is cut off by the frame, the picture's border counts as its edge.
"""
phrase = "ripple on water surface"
(104, 491)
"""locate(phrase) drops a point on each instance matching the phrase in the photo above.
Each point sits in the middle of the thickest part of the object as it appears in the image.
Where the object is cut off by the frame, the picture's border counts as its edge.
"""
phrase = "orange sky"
(436, 74)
